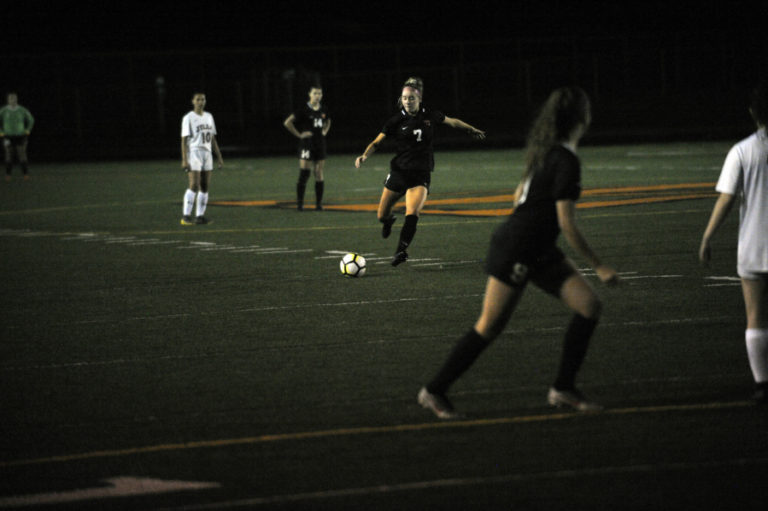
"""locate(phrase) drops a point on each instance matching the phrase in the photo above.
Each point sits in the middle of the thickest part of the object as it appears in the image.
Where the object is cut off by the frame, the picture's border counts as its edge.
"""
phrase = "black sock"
(301, 186)
(407, 232)
(459, 360)
(8, 168)
(574, 350)
(24, 167)
(319, 189)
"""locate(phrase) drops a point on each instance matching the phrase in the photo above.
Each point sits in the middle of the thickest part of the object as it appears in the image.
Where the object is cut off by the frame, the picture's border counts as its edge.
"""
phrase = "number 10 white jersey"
(200, 129)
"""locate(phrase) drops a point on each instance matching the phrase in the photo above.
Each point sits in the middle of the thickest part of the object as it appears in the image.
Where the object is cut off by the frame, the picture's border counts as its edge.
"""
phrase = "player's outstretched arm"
(566, 217)
(459, 124)
(215, 145)
(369, 150)
(719, 212)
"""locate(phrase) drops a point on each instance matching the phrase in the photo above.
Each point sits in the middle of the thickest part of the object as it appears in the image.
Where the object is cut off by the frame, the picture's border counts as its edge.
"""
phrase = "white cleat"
(439, 405)
(572, 398)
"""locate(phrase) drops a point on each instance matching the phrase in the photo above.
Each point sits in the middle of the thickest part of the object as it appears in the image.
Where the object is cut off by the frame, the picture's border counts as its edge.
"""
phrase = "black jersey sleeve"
(438, 117)
(390, 127)
(567, 175)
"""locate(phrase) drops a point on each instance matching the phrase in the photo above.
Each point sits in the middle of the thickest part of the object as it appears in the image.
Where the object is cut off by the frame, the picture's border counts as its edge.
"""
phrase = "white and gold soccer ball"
(352, 265)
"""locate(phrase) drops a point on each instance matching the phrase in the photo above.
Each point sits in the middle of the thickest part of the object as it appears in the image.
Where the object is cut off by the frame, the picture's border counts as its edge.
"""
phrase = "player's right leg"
(384, 213)
(501, 299)
(188, 206)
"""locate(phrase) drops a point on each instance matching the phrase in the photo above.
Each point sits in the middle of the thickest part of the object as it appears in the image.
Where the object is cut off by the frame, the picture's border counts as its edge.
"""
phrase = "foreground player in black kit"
(524, 249)
(410, 170)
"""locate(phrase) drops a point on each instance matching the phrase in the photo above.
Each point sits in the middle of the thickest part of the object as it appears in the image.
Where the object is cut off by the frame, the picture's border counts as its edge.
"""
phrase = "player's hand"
(607, 275)
(478, 134)
(705, 252)
(27, 132)
(359, 161)
(184, 166)
(305, 134)
(221, 163)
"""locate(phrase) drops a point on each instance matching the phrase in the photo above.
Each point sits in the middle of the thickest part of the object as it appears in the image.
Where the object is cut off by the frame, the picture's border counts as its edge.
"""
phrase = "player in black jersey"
(524, 249)
(413, 129)
(310, 124)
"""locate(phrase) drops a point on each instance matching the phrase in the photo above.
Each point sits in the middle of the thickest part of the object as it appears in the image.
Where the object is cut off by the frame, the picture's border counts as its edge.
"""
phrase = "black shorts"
(400, 182)
(311, 151)
(16, 140)
(548, 270)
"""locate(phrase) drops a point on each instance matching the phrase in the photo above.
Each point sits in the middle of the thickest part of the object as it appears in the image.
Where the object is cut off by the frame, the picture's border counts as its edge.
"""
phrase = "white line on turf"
(523, 477)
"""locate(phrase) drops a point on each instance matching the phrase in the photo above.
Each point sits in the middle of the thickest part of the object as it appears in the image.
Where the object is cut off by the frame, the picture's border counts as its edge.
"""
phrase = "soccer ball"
(352, 265)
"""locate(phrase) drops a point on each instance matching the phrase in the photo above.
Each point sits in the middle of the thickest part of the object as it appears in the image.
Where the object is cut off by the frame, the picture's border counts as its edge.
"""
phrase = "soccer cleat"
(438, 404)
(572, 398)
(319, 207)
(201, 220)
(399, 258)
(386, 227)
(187, 220)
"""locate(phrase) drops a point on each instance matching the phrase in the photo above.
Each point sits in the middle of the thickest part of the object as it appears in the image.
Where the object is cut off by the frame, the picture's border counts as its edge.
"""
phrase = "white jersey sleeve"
(732, 174)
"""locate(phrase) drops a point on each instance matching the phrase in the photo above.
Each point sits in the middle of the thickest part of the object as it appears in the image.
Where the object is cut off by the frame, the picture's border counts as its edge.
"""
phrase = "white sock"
(757, 351)
(189, 202)
(202, 202)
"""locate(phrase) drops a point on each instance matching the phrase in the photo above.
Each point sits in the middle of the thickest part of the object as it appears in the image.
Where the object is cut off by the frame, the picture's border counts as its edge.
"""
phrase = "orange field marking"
(647, 194)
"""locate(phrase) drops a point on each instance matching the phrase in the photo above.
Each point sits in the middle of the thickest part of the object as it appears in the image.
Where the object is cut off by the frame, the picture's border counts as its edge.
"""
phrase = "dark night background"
(89, 71)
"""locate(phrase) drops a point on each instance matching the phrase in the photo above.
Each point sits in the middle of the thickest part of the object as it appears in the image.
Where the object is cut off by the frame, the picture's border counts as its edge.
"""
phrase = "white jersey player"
(745, 174)
(198, 142)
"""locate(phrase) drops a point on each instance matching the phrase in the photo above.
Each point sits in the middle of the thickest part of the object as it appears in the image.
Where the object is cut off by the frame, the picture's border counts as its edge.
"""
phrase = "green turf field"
(139, 356)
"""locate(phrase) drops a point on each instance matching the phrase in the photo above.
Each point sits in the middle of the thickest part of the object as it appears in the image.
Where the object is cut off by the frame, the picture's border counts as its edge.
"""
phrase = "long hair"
(566, 108)
(759, 104)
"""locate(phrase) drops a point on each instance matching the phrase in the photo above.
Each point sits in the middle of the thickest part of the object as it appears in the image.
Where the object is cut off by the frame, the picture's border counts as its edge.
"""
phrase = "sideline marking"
(118, 487)
(474, 481)
(372, 430)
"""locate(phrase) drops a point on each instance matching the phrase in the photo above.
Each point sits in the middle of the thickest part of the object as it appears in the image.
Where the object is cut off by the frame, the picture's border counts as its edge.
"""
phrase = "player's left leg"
(756, 304)
(319, 184)
(414, 202)
(21, 151)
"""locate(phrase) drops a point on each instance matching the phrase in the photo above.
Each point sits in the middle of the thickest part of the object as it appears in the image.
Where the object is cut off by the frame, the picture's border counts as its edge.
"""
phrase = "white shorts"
(200, 159)
(751, 275)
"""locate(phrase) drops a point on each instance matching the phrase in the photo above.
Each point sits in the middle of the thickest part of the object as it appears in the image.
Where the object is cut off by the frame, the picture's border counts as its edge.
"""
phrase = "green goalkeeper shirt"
(16, 121)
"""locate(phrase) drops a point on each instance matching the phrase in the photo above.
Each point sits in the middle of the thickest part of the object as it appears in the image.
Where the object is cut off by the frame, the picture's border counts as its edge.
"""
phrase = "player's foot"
(399, 258)
(187, 220)
(438, 404)
(760, 396)
(201, 220)
(386, 227)
(319, 207)
(299, 206)
(572, 398)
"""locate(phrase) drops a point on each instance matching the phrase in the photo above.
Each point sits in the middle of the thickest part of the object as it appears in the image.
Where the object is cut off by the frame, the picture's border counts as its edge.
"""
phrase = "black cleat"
(399, 258)
(201, 220)
(386, 228)
(187, 220)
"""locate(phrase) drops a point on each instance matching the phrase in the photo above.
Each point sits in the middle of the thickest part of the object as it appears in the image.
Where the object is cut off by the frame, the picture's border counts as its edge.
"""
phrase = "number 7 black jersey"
(413, 136)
